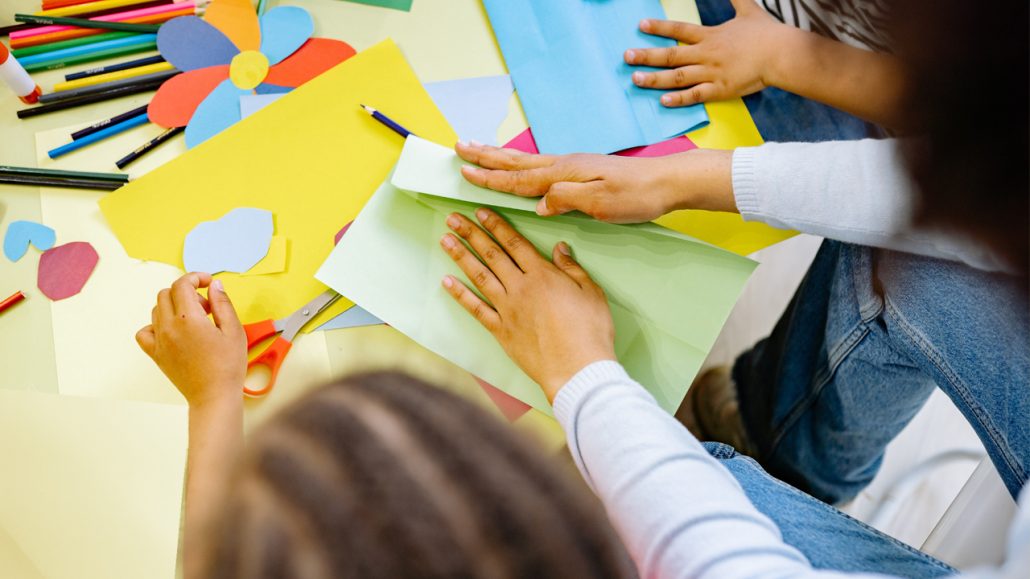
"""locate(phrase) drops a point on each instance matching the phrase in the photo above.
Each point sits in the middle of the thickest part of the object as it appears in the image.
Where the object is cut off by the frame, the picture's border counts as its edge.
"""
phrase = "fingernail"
(217, 286)
(481, 214)
(470, 169)
(666, 99)
(453, 222)
(645, 25)
(475, 143)
(563, 248)
(448, 281)
(630, 57)
(447, 241)
(541, 206)
(638, 77)
(462, 143)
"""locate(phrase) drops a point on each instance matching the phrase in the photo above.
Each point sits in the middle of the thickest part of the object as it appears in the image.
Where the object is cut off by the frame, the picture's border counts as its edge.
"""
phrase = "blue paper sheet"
(21, 233)
(355, 317)
(566, 59)
(475, 107)
(235, 242)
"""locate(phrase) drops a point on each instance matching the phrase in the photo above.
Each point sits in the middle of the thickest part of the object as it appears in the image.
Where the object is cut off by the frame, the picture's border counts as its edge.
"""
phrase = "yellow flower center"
(248, 69)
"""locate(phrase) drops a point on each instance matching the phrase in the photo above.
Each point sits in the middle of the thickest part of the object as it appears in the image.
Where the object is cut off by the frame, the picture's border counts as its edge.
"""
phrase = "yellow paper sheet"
(274, 261)
(92, 488)
(313, 160)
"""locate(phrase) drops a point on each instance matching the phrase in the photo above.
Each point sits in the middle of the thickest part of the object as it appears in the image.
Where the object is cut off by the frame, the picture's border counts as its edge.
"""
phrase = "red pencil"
(51, 4)
(17, 297)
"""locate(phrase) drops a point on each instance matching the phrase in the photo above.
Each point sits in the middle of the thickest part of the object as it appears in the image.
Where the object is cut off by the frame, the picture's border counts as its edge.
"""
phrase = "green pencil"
(86, 23)
(89, 57)
(58, 174)
(40, 49)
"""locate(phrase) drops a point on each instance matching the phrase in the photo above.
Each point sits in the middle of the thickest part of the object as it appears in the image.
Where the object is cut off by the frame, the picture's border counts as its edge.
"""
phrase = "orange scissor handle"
(272, 358)
(259, 332)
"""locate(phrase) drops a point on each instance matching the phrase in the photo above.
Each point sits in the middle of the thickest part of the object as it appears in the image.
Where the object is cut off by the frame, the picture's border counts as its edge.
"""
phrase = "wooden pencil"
(89, 52)
(52, 182)
(62, 174)
(101, 125)
(114, 67)
(86, 23)
(7, 30)
(148, 147)
(137, 121)
(41, 48)
(88, 7)
(88, 100)
(137, 72)
(55, 97)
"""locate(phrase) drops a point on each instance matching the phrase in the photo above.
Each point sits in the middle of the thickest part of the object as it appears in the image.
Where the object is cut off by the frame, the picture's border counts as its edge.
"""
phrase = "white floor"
(906, 511)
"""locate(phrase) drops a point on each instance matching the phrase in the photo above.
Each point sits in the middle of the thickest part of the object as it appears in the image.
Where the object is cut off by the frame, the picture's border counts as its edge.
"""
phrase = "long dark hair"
(382, 475)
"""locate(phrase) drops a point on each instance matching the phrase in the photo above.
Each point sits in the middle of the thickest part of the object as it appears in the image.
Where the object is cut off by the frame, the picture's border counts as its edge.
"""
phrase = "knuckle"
(669, 56)
(695, 95)
(514, 242)
(490, 254)
(679, 76)
(479, 278)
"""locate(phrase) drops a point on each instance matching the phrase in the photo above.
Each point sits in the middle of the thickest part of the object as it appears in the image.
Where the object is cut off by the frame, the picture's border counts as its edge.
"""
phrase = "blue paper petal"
(265, 88)
(22, 233)
(190, 43)
(283, 31)
(219, 111)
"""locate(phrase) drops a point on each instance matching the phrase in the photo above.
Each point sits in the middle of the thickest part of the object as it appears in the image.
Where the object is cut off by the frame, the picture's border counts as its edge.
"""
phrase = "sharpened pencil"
(87, 100)
(101, 125)
(61, 174)
(148, 147)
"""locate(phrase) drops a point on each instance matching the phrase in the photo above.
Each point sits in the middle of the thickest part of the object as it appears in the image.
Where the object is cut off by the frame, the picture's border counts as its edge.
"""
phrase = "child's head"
(382, 475)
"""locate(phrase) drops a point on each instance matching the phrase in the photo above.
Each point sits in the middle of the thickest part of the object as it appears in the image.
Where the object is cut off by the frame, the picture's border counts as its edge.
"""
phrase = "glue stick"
(15, 76)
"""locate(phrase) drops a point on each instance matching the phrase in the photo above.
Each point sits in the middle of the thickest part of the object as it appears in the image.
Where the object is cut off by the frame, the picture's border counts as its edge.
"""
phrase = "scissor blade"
(296, 322)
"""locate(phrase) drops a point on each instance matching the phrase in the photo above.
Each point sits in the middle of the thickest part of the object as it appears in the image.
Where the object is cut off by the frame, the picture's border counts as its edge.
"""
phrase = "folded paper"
(669, 294)
(313, 159)
(566, 59)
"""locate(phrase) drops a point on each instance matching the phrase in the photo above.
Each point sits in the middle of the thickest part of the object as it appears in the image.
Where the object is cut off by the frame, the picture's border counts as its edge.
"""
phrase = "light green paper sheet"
(669, 295)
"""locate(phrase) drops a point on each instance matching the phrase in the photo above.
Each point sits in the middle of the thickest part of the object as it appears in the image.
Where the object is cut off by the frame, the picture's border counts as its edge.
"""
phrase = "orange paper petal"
(179, 97)
(238, 20)
(312, 59)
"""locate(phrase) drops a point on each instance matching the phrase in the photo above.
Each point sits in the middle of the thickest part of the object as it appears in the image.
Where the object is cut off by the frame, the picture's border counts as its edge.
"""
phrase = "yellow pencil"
(116, 75)
(90, 7)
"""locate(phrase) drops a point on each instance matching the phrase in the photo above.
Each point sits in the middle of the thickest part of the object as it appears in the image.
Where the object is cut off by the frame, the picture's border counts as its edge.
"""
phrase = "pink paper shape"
(511, 408)
(524, 142)
(339, 234)
(64, 270)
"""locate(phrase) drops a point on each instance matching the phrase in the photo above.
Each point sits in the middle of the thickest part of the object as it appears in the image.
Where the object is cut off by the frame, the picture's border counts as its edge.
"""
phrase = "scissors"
(287, 328)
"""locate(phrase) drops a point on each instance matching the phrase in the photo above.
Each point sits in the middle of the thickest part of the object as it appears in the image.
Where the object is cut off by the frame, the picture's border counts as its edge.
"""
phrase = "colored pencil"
(133, 14)
(261, 7)
(63, 183)
(149, 17)
(86, 23)
(41, 48)
(148, 147)
(395, 127)
(114, 67)
(61, 174)
(8, 302)
(88, 100)
(90, 52)
(7, 30)
(100, 88)
(137, 121)
(51, 4)
(101, 125)
(88, 7)
(112, 76)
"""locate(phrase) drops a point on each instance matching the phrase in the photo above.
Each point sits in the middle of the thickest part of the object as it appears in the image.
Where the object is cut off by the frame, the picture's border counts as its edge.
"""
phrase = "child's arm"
(753, 51)
(207, 362)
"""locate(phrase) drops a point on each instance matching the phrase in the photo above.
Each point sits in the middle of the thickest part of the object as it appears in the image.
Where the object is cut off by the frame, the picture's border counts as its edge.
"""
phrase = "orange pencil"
(17, 297)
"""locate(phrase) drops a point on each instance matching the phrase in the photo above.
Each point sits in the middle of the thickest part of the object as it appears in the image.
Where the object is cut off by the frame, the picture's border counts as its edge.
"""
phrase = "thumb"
(222, 310)
(564, 197)
(146, 340)
(562, 257)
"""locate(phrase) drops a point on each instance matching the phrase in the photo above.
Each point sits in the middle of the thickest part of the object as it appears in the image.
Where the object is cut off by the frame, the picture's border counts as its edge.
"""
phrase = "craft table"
(84, 346)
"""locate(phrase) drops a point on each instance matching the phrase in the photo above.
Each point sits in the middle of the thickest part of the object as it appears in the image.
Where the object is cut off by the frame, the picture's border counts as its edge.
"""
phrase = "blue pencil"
(99, 136)
(76, 51)
(387, 121)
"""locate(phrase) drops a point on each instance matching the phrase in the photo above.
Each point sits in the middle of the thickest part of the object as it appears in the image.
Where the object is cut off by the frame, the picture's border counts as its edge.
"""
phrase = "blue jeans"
(866, 339)
(827, 537)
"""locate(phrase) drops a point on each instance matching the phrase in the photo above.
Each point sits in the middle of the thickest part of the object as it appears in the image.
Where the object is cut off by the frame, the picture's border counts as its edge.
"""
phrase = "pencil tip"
(368, 109)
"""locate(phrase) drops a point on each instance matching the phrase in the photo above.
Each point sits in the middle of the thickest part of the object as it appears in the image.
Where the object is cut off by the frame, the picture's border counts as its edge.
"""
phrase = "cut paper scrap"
(311, 194)
(65, 269)
(252, 103)
(355, 317)
(339, 234)
(231, 53)
(275, 261)
(92, 487)
(512, 408)
(20, 234)
(669, 294)
(404, 5)
(234, 242)
(475, 107)
(566, 59)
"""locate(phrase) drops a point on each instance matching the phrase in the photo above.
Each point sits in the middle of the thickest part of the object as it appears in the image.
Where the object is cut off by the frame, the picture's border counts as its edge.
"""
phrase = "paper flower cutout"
(231, 52)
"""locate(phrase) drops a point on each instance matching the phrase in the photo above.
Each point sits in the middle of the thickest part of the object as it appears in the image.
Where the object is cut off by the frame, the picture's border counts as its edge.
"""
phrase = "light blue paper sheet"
(475, 107)
(355, 317)
(566, 59)
(235, 242)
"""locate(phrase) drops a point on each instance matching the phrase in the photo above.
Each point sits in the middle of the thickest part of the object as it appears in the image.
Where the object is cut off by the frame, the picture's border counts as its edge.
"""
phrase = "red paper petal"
(178, 98)
(64, 270)
(312, 59)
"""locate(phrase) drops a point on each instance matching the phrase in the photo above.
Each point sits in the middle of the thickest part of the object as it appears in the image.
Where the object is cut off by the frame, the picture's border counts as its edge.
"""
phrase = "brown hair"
(382, 475)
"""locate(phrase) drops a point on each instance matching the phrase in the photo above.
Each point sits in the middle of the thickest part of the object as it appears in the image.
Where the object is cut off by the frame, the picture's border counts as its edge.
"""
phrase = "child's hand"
(609, 188)
(551, 318)
(715, 63)
(206, 361)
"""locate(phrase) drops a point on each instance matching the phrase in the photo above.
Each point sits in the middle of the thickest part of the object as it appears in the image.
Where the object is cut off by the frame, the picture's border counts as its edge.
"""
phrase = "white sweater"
(680, 512)
(853, 191)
